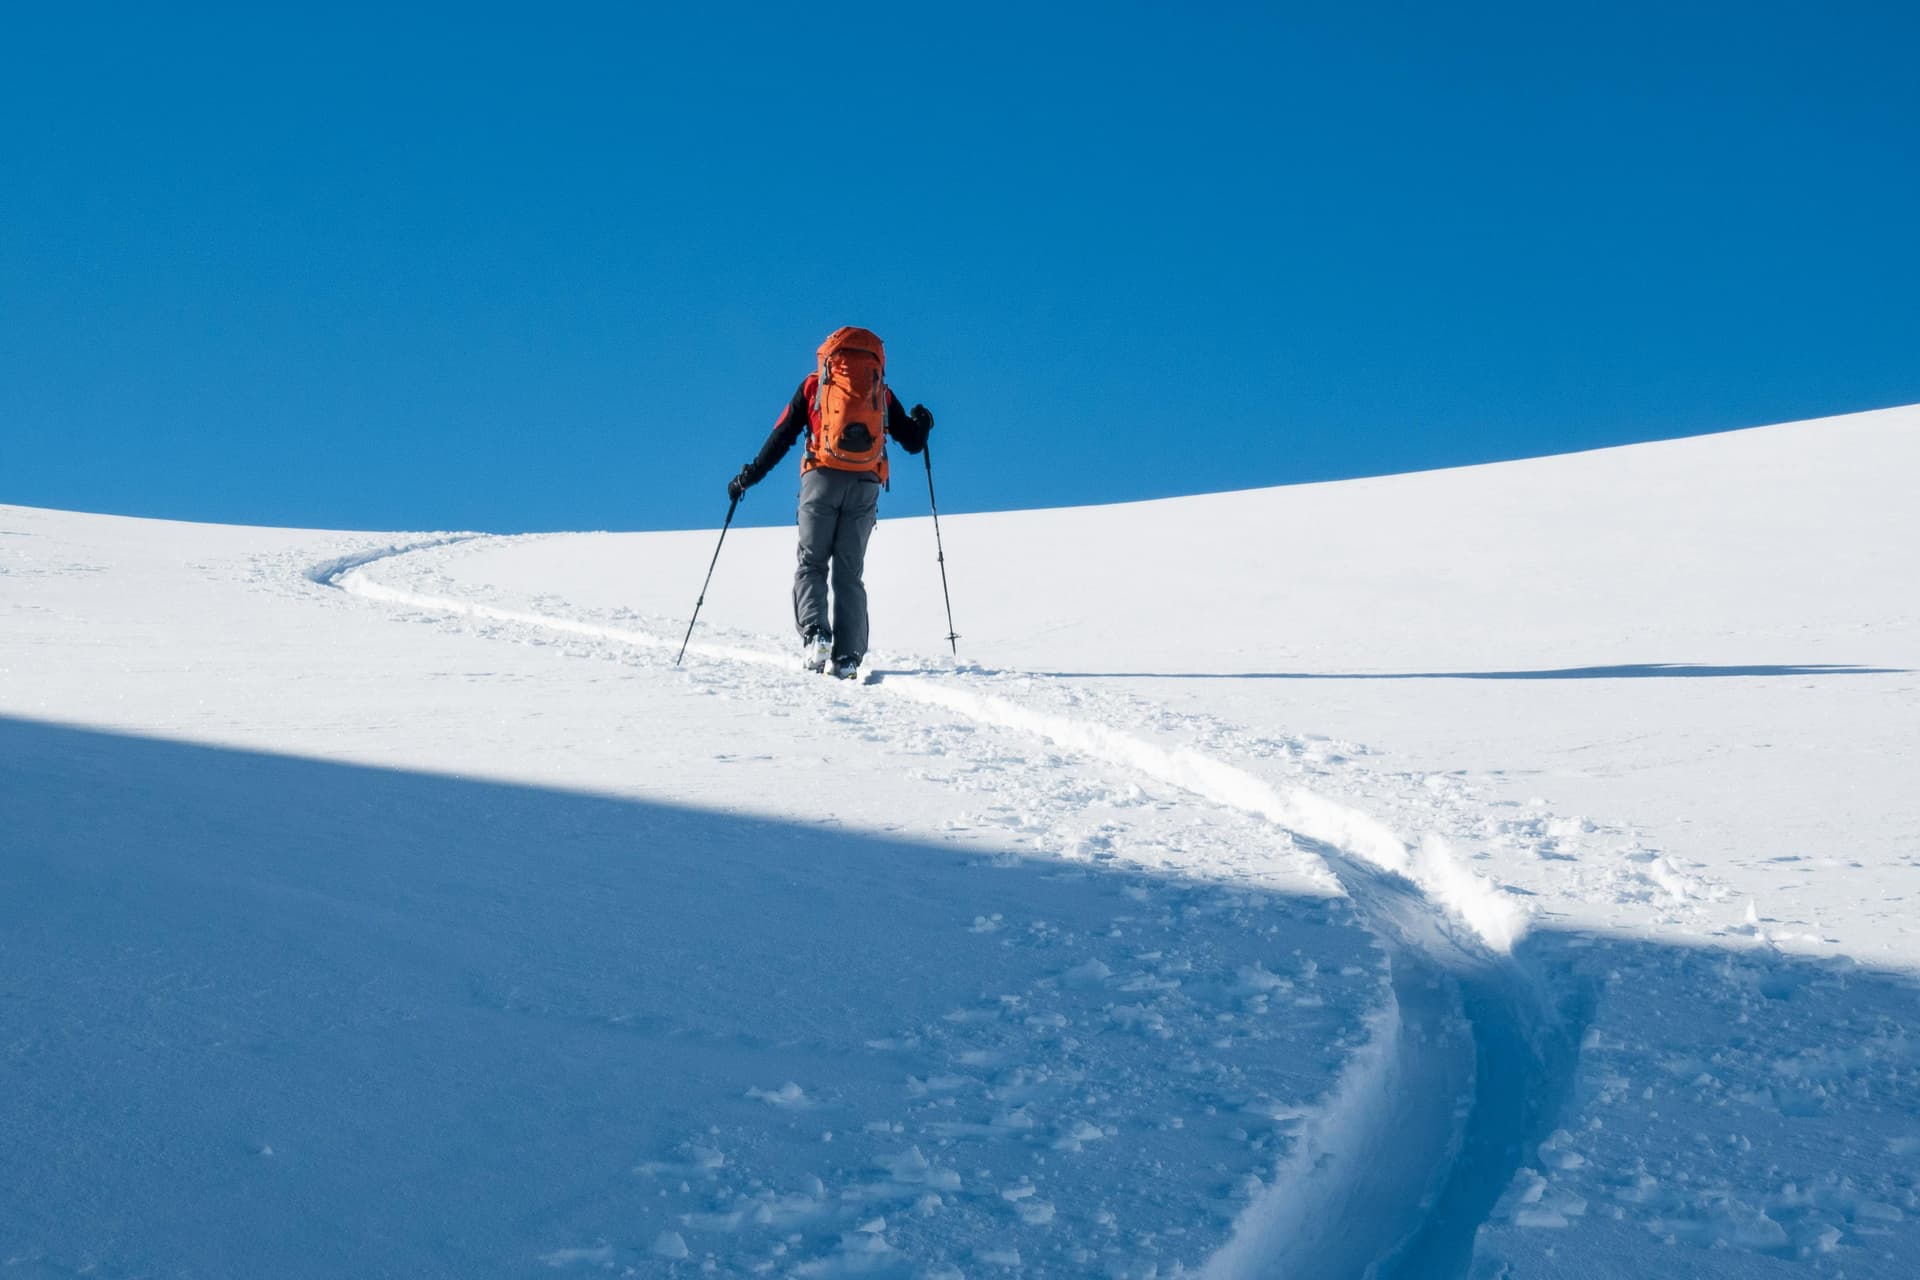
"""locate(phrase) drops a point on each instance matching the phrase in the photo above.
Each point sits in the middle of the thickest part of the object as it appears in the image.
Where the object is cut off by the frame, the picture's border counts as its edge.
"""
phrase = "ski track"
(329, 573)
(1466, 1064)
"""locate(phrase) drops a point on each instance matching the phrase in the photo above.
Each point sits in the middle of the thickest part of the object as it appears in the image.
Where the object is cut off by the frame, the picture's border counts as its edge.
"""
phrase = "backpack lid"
(849, 337)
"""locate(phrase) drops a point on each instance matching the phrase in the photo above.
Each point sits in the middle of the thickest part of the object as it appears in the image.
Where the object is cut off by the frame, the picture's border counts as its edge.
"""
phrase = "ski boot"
(816, 651)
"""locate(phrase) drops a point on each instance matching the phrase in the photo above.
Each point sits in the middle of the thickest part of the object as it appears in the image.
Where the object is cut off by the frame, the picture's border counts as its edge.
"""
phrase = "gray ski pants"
(837, 512)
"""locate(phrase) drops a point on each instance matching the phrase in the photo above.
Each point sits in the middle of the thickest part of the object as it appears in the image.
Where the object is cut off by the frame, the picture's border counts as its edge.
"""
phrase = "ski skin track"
(1468, 1064)
(329, 573)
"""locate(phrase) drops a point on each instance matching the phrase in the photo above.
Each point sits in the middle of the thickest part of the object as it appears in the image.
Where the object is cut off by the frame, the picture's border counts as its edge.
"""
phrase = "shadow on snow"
(266, 1015)
(1628, 671)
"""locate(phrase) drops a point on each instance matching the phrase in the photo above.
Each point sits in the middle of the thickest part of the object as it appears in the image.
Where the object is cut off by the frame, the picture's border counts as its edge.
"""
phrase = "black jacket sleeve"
(903, 428)
(786, 431)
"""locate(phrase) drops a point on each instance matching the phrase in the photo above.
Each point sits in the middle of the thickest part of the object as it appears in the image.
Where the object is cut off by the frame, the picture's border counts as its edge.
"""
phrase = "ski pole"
(939, 550)
(703, 586)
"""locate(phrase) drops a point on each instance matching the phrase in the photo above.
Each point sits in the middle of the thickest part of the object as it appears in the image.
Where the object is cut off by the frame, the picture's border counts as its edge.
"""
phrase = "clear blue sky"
(514, 267)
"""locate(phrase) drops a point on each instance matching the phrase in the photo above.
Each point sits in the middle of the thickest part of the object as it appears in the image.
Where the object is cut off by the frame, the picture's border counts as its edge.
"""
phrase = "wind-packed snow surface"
(1505, 871)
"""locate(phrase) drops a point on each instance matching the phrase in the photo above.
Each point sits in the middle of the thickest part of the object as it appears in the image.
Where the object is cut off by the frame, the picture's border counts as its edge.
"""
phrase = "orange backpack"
(850, 404)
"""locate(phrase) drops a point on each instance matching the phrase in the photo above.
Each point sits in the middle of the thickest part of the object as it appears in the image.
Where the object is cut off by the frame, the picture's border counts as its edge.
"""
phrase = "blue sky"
(558, 267)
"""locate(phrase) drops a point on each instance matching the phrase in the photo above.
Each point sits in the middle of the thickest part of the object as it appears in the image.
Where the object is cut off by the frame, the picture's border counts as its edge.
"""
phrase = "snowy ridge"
(465, 916)
(1403, 1127)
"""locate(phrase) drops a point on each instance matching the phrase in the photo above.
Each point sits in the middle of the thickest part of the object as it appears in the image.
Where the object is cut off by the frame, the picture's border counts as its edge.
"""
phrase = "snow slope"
(1497, 871)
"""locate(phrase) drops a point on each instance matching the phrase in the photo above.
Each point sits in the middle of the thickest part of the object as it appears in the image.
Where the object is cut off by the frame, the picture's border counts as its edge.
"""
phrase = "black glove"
(922, 418)
(738, 486)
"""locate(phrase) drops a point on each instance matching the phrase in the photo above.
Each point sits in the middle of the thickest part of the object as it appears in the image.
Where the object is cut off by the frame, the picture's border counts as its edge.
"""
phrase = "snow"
(1495, 871)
